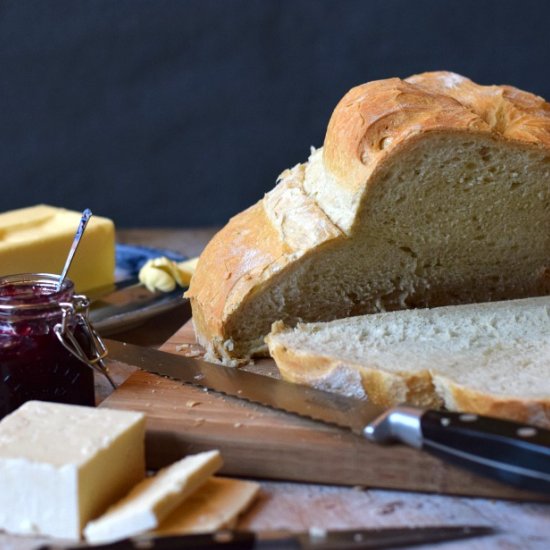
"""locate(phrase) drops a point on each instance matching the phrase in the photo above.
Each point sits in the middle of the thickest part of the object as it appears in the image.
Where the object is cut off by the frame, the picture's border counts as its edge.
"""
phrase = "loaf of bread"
(491, 358)
(428, 191)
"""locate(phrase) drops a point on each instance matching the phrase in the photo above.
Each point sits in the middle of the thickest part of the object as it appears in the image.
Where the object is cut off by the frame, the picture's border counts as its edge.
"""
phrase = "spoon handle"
(86, 215)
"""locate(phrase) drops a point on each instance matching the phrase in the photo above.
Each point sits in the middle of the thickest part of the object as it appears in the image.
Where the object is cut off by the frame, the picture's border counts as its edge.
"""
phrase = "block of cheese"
(37, 240)
(151, 501)
(62, 465)
(216, 505)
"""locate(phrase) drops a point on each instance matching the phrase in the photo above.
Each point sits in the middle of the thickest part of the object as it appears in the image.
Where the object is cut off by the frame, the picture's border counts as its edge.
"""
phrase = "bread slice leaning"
(491, 358)
(428, 191)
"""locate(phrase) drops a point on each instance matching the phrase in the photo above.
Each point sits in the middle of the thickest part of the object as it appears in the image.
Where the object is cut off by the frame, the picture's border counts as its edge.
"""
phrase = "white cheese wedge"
(150, 502)
(37, 240)
(216, 505)
(62, 465)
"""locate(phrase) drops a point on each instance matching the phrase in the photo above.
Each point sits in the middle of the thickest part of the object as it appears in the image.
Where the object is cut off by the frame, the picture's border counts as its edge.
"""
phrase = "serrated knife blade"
(508, 451)
(330, 408)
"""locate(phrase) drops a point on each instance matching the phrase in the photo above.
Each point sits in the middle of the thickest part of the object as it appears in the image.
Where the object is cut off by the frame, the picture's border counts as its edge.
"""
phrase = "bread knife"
(516, 454)
(315, 539)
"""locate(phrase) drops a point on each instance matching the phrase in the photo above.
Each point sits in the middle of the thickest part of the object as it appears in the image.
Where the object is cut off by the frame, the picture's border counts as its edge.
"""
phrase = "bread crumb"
(190, 404)
(190, 350)
(391, 507)
(229, 345)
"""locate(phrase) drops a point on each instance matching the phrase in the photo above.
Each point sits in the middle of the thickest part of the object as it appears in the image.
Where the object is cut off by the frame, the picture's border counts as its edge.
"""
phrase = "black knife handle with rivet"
(501, 449)
(222, 540)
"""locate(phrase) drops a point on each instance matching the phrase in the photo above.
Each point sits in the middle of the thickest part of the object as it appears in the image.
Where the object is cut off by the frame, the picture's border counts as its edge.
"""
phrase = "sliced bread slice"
(491, 358)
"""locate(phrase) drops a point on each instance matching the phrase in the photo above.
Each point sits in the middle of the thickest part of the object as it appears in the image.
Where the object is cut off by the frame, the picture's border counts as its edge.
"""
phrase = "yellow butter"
(163, 274)
(37, 240)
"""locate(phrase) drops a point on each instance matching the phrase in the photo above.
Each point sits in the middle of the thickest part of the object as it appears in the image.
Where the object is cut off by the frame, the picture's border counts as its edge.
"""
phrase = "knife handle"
(222, 540)
(514, 453)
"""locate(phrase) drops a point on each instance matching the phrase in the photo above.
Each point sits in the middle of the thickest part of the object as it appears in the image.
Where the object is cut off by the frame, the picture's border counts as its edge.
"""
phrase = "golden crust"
(507, 111)
(373, 119)
(370, 123)
(534, 411)
(255, 246)
(232, 258)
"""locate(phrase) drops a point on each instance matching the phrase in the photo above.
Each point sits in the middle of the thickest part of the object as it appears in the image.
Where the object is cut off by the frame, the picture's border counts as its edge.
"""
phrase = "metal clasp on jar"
(75, 314)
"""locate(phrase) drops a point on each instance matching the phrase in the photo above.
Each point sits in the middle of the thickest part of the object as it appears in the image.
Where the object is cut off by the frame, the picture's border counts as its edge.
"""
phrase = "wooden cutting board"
(259, 442)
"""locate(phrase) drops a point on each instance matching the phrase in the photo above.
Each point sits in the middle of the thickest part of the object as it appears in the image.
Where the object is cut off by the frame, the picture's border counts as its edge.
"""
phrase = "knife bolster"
(397, 424)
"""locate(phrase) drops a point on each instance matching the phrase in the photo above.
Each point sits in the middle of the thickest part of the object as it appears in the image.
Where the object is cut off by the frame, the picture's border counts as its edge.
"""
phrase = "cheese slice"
(62, 465)
(151, 501)
(37, 240)
(216, 505)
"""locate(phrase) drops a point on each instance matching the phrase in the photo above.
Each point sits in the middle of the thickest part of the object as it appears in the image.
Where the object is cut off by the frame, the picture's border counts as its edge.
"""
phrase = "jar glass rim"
(47, 282)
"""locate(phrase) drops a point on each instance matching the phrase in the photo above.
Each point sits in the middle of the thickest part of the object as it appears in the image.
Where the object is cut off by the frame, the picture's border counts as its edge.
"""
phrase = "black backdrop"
(182, 113)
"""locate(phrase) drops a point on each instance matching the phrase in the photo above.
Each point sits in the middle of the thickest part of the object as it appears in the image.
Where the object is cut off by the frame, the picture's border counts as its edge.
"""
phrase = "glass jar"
(48, 349)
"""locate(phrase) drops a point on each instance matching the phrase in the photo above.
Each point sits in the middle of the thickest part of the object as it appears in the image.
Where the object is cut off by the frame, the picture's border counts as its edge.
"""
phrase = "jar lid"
(25, 291)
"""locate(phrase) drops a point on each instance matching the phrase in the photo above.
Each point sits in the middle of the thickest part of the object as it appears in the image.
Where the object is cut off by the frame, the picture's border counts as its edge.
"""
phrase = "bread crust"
(252, 249)
(370, 124)
(373, 119)
(461, 398)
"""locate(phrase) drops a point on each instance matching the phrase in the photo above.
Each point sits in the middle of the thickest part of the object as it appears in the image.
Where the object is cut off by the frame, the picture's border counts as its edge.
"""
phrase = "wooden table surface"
(296, 506)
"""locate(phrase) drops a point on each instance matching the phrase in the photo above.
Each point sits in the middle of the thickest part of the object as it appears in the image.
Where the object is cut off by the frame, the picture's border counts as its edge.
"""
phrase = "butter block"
(37, 240)
(150, 502)
(216, 505)
(63, 465)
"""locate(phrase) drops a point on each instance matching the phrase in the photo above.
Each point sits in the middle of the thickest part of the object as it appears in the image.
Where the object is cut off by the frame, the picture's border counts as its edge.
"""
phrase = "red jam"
(33, 362)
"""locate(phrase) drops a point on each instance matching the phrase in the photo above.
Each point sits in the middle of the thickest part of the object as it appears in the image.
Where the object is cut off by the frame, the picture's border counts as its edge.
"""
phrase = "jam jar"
(48, 349)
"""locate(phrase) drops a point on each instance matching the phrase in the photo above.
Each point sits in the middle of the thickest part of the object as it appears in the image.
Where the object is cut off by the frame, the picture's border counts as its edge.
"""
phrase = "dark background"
(182, 113)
